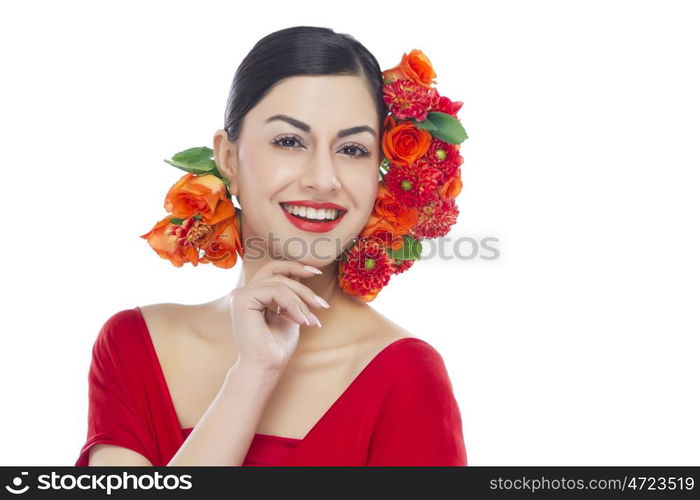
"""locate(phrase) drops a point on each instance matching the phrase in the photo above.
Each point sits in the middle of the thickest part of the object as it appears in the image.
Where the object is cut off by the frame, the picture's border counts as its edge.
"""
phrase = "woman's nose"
(320, 174)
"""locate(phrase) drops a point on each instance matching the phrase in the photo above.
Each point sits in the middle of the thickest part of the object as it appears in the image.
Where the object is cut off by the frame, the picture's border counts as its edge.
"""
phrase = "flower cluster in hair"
(420, 178)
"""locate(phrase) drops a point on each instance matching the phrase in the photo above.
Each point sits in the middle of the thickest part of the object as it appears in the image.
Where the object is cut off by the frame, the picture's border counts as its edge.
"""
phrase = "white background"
(577, 346)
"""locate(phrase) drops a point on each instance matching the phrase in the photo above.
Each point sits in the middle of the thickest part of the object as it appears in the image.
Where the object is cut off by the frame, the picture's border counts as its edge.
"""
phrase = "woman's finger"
(277, 296)
(307, 296)
(285, 267)
(306, 293)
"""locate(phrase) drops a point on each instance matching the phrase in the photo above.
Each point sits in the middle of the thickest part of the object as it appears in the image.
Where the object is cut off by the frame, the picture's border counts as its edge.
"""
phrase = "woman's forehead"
(322, 100)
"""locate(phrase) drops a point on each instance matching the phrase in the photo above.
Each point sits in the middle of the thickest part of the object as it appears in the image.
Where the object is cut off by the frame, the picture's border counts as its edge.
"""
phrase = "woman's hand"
(265, 339)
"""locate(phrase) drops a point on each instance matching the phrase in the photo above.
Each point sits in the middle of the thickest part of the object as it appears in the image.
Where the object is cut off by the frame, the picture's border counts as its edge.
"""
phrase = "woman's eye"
(353, 150)
(284, 142)
(356, 147)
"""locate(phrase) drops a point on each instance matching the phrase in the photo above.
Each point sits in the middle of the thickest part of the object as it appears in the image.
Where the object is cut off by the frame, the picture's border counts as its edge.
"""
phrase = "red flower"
(414, 184)
(445, 157)
(365, 269)
(407, 99)
(436, 218)
(445, 105)
(402, 265)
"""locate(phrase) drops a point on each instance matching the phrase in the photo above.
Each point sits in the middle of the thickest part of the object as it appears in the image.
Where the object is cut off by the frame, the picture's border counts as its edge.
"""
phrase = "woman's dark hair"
(299, 50)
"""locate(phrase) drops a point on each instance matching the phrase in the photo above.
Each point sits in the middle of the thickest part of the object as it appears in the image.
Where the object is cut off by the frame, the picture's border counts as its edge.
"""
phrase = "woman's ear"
(226, 158)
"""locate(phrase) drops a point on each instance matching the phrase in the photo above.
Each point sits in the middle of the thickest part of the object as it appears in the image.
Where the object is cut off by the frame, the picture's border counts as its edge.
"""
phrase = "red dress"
(400, 409)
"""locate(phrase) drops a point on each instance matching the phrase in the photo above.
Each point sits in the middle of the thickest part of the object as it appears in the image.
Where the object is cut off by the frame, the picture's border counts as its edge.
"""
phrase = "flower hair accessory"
(420, 178)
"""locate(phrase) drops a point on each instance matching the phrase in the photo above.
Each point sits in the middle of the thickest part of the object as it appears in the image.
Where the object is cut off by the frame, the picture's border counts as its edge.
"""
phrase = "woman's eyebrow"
(307, 128)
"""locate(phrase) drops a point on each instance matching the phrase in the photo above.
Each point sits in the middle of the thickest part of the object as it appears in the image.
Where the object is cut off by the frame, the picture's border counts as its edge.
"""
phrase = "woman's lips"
(314, 227)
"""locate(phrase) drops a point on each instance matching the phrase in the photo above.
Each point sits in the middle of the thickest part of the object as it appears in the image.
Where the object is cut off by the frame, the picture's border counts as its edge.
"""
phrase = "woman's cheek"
(260, 174)
(370, 191)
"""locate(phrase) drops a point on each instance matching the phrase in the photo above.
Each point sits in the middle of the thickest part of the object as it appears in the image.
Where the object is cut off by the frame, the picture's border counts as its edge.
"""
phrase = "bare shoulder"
(194, 361)
(418, 363)
(381, 332)
(388, 330)
(170, 328)
(422, 354)
(164, 318)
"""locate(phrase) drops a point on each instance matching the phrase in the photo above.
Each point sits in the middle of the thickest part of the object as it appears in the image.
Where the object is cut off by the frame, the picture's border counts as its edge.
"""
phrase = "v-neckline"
(336, 403)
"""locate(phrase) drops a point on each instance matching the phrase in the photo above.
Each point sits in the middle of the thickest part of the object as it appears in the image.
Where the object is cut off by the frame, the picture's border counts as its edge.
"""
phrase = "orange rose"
(389, 208)
(166, 245)
(404, 143)
(197, 194)
(452, 187)
(196, 241)
(224, 209)
(415, 66)
(384, 230)
(226, 244)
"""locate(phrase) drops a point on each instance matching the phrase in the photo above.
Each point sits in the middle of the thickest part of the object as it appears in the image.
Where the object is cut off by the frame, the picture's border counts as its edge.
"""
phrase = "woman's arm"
(113, 455)
(224, 433)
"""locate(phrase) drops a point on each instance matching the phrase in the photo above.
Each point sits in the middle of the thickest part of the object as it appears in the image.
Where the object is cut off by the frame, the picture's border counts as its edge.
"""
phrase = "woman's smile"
(312, 216)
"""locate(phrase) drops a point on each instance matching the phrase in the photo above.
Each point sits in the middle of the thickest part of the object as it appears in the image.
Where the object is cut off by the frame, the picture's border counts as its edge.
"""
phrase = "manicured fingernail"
(306, 319)
(313, 269)
(321, 301)
(314, 318)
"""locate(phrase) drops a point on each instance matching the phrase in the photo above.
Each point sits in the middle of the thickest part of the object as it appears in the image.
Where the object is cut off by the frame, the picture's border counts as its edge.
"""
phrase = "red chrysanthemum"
(365, 269)
(414, 184)
(435, 219)
(445, 105)
(407, 99)
(402, 265)
(445, 157)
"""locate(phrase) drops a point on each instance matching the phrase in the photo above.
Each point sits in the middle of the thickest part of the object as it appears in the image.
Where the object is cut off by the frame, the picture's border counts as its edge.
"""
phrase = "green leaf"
(198, 160)
(425, 124)
(383, 168)
(447, 127)
(411, 249)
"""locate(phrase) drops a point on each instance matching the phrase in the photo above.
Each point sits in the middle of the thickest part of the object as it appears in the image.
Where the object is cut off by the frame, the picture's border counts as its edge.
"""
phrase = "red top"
(399, 410)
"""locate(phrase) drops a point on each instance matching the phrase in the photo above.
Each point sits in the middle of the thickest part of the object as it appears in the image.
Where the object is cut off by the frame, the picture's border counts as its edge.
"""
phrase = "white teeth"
(312, 213)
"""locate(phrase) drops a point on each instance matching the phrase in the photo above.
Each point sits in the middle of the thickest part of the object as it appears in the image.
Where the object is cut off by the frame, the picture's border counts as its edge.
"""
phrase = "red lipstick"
(315, 204)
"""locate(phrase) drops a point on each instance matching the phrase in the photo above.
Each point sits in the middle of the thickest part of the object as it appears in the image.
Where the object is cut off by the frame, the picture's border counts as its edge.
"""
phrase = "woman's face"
(310, 139)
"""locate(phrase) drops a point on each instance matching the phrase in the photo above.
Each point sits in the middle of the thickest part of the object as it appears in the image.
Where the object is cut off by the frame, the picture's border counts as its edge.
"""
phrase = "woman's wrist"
(253, 374)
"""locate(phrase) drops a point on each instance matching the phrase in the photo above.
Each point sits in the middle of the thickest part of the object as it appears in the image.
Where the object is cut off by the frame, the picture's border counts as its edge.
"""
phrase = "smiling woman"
(306, 157)
(286, 369)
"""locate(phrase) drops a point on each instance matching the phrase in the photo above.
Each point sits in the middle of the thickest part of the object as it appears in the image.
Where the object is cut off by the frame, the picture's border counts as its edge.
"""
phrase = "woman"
(286, 369)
